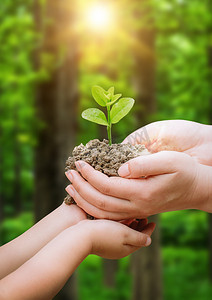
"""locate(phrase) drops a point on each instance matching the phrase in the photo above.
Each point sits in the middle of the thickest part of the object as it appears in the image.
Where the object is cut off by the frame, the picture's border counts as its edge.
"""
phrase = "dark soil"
(103, 157)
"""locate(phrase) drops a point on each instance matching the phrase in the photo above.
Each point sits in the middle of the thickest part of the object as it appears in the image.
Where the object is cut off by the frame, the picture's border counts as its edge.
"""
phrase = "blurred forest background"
(51, 53)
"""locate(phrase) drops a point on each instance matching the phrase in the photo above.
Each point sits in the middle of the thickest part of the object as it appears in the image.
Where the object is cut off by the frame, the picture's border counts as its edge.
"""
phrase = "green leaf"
(111, 90)
(99, 95)
(121, 109)
(95, 115)
(116, 97)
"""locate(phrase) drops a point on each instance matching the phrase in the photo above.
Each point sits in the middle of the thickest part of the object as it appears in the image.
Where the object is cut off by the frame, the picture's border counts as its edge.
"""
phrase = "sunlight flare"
(99, 17)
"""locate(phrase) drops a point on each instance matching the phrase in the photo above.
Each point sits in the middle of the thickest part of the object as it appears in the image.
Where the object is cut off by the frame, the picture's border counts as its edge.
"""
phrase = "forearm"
(18, 251)
(44, 275)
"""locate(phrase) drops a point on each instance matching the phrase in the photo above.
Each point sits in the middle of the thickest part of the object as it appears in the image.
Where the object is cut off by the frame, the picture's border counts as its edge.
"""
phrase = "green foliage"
(13, 227)
(185, 229)
(186, 274)
(183, 73)
(107, 98)
(91, 280)
(17, 112)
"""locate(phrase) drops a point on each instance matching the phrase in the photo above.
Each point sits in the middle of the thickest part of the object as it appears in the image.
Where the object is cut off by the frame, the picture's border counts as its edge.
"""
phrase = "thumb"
(137, 239)
(163, 162)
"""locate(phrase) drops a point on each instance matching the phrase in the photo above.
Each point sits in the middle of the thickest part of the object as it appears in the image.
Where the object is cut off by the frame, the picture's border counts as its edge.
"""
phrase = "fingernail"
(148, 241)
(78, 165)
(69, 174)
(70, 190)
(124, 170)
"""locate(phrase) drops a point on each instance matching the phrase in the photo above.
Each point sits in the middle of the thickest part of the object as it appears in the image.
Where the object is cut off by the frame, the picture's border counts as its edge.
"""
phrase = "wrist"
(86, 234)
(71, 214)
(203, 193)
(76, 238)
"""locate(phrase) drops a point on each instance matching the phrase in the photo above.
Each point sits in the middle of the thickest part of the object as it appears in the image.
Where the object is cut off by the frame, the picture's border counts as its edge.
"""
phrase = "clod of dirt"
(103, 157)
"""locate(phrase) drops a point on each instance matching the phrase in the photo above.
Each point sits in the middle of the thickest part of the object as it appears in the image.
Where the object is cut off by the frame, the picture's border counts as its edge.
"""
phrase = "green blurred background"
(51, 53)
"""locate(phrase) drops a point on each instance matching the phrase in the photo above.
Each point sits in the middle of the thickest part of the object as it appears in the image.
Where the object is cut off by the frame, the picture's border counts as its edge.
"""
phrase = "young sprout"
(117, 108)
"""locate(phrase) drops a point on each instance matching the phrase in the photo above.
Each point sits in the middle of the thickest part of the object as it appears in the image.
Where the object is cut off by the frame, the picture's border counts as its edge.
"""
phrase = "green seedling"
(117, 108)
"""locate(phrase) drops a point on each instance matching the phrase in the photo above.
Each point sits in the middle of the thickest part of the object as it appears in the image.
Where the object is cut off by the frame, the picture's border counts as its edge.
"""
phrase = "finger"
(142, 238)
(158, 163)
(141, 224)
(134, 225)
(93, 196)
(149, 228)
(114, 186)
(127, 222)
(137, 239)
(92, 210)
(138, 224)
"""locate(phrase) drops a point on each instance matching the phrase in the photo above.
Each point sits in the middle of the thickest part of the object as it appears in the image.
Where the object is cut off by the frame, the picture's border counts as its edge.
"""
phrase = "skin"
(178, 175)
(46, 261)
(188, 137)
(19, 250)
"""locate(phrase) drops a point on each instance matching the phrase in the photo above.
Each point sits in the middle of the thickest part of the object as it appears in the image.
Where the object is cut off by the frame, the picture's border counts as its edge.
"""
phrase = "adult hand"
(174, 181)
(192, 138)
(117, 199)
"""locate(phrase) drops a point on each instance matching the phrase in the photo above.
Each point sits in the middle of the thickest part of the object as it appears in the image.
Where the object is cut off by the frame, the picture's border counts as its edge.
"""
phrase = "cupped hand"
(114, 240)
(174, 181)
(192, 138)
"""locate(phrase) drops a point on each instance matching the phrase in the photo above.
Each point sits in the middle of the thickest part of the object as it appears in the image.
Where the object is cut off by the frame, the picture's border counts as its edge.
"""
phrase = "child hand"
(114, 240)
(42, 276)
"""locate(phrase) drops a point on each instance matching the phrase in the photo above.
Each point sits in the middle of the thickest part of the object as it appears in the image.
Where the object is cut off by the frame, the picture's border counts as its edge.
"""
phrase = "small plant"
(117, 108)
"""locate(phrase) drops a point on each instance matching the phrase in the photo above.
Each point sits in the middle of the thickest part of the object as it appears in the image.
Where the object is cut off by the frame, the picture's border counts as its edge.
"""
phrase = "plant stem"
(109, 134)
(109, 126)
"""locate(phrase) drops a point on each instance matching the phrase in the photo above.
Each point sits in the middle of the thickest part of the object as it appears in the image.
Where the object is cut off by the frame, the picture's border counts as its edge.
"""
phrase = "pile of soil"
(103, 157)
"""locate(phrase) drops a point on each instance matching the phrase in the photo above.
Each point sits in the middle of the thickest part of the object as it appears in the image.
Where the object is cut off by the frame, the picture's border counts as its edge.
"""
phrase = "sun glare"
(99, 17)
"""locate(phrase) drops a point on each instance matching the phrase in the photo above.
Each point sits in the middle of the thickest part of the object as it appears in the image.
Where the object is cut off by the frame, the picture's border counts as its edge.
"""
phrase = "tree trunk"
(146, 263)
(146, 269)
(144, 77)
(110, 269)
(57, 102)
